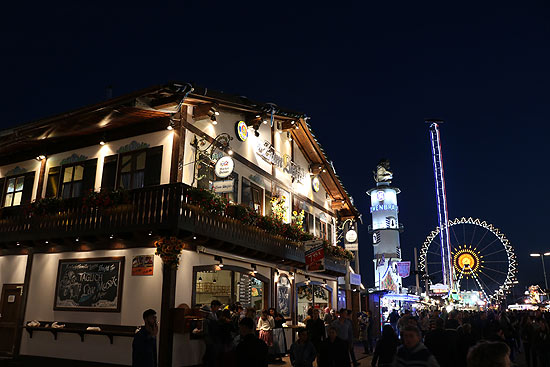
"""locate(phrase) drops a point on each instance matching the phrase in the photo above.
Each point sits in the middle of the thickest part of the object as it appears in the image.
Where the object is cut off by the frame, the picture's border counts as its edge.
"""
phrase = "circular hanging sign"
(351, 236)
(241, 130)
(315, 184)
(224, 167)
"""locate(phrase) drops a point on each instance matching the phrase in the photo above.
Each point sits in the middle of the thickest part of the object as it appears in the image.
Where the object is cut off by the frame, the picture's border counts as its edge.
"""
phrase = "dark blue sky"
(367, 75)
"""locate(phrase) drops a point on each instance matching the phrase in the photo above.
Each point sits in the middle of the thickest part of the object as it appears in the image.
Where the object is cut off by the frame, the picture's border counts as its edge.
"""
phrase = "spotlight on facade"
(230, 151)
(219, 260)
(289, 136)
(254, 270)
(40, 157)
(291, 275)
(213, 120)
(102, 143)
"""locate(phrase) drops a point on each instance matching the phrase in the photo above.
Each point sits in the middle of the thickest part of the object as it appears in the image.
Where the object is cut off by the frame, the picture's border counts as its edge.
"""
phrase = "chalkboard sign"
(89, 284)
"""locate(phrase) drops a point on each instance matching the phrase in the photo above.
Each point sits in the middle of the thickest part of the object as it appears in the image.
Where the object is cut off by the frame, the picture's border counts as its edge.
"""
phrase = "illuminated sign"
(376, 208)
(224, 167)
(241, 130)
(380, 195)
(282, 161)
(315, 184)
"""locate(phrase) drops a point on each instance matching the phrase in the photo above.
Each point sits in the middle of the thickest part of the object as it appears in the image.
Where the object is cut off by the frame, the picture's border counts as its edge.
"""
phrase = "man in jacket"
(144, 346)
(251, 351)
(334, 351)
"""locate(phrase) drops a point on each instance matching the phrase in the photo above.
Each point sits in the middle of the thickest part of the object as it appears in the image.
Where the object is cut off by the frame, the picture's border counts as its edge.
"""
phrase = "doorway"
(10, 308)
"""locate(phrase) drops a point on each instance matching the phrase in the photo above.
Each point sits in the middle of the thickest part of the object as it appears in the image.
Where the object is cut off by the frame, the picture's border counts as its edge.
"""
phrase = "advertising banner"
(315, 256)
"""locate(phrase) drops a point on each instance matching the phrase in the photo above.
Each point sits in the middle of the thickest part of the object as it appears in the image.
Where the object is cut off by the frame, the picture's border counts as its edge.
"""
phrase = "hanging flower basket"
(169, 250)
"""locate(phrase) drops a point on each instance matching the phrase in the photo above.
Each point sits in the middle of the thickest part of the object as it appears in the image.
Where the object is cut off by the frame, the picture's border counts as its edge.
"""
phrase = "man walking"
(144, 346)
(344, 327)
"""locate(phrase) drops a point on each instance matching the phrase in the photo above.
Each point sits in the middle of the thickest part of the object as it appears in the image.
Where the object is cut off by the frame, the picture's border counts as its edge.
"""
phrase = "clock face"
(380, 195)
(351, 236)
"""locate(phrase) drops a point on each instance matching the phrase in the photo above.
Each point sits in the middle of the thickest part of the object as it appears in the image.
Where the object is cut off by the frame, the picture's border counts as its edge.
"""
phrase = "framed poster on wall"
(89, 284)
(283, 296)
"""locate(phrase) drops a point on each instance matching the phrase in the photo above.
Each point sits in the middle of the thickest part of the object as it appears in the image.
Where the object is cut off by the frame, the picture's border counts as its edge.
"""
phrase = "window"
(14, 191)
(313, 296)
(252, 196)
(132, 170)
(72, 181)
(317, 227)
(229, 286)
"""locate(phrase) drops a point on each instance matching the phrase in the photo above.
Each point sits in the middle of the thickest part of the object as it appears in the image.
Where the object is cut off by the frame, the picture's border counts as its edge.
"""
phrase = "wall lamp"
(219, 260)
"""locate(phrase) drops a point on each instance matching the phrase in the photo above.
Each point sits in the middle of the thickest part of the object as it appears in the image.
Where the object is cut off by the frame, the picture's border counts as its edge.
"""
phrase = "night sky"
(367, 76)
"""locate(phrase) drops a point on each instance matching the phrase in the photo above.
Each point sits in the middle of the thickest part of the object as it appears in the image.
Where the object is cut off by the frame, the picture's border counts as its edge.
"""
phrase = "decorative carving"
(16, 171)
(383, 172)
(73, 158)
(134, 145)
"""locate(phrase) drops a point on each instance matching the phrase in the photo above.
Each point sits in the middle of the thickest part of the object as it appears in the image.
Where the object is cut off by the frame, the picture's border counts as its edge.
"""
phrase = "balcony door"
(10, 308)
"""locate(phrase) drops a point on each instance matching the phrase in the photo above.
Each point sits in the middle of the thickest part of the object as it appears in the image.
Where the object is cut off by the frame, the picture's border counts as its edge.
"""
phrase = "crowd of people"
(463, 338)
(235, 336)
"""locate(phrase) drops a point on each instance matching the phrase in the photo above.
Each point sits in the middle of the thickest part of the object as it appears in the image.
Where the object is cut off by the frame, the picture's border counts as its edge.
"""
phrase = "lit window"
(14, 191)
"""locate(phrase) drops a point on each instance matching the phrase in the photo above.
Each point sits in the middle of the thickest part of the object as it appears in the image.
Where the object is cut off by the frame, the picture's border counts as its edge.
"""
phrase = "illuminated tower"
(442, 212)
(385, 229)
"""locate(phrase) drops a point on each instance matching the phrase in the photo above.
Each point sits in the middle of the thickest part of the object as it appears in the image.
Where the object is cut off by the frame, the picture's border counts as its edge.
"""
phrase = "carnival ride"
(482, 258)
(479, 258)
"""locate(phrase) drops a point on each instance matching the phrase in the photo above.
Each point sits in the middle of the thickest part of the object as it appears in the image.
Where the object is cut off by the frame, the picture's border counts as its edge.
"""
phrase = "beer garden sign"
(282, 161)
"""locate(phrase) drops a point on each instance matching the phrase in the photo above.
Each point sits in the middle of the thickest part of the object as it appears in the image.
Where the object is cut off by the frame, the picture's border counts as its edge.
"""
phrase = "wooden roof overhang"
(149, 110)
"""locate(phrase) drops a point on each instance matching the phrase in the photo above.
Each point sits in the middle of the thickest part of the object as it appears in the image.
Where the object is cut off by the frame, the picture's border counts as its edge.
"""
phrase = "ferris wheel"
(482, 258)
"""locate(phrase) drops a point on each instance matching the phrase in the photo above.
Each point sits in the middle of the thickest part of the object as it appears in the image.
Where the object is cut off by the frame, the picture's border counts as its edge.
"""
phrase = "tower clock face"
(380, 195)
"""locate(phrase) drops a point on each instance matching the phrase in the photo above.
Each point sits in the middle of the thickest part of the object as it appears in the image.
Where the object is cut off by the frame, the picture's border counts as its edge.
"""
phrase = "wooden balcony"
(158, 210)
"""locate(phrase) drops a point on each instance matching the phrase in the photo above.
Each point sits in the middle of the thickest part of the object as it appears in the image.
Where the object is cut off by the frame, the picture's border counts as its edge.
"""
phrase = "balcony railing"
(156, 208)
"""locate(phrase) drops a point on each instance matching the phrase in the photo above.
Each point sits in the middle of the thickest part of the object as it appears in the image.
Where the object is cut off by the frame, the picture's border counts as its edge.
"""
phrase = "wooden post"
(25, 296)
(166, 335)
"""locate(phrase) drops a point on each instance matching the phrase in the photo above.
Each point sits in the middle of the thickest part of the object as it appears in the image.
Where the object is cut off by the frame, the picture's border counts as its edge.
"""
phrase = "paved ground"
(363, 359)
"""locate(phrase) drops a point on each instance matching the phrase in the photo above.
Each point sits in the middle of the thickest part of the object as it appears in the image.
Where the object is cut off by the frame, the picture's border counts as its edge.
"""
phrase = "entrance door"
(10, 307)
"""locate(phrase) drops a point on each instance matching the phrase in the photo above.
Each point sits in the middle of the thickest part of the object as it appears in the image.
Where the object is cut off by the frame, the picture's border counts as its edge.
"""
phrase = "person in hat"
(144, 346)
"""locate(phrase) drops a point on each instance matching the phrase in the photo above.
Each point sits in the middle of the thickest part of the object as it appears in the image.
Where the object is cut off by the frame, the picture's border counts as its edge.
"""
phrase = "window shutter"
(153, 165)
(108, 180)
(88, 178)
(27, 188)
(2, 190)
(52, 186)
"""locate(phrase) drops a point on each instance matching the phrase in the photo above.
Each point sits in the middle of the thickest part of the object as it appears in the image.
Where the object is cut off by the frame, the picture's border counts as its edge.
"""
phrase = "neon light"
(376, 208)
(443, 216)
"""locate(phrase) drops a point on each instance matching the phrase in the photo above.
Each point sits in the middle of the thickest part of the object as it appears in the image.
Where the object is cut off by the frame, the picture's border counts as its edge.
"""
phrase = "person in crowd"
(226, 330)
(370, 338)
(352, 344)
(144, 345)
(393, 319)
(452, 321)
(386, 348)
(315, 328)
(265, 327)
(466, 340)
(211, 333)
(403, 320)
(424, 323)
(279, 339)
(413, 352)
(433, 318)
(363, 326)
(334, 351)
(251, 351)
(302, 352)
(443, 344)
(527, 335)
(489, 354)
(344, 328)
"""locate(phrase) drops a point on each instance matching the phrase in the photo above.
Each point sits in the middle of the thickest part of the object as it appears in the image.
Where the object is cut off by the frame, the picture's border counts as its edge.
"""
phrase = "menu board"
(89, 284)
(245, 291)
